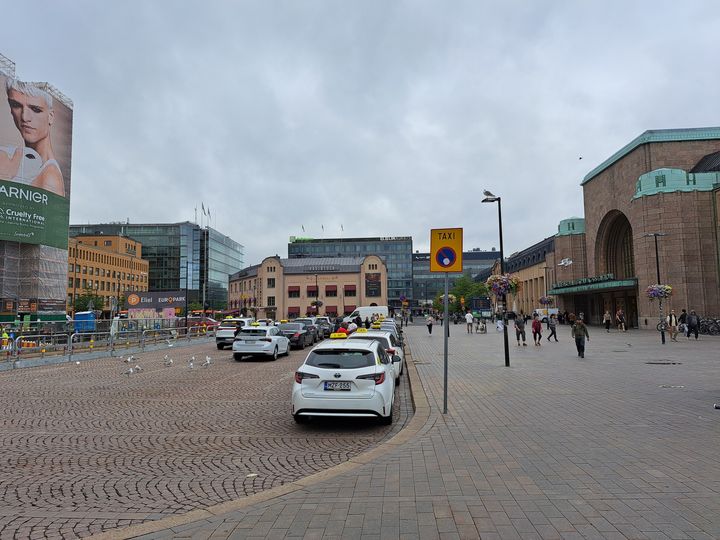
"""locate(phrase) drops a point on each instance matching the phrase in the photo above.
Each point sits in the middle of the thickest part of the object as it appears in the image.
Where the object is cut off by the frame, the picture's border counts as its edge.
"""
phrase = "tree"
(88, 301)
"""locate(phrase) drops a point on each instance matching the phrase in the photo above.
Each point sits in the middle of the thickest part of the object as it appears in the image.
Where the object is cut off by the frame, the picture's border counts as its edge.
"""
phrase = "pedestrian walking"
(620, 320)
(520, 330)
(552, 324)
(607, 320)
(672, 323)
(429, 321)
(693, 324)
(469, 321)
(537, 330)
(579, 332)
(682, 322)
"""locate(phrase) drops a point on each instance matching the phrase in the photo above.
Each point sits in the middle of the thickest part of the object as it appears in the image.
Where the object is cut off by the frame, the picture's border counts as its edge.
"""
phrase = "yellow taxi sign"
(283, 320)
(446, 247)
(338, 335)
(376, 327)
(254, 324)
(361, 330)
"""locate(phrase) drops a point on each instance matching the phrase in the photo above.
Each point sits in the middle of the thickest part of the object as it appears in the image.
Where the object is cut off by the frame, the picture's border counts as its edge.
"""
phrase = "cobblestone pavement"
(621, 444)
(86, 449)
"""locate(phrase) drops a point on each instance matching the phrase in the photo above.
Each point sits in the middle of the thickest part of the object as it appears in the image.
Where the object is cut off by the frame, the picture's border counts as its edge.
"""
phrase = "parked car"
(325, 325)
(345, 378)
(260, 341)
(312, 327)
(391, 345)
(297, 333)
(225, 333)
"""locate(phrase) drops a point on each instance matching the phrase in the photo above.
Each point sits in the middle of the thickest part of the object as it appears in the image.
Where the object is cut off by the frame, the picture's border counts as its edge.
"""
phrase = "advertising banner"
(156, 300)
(373, 286)
(35, 154)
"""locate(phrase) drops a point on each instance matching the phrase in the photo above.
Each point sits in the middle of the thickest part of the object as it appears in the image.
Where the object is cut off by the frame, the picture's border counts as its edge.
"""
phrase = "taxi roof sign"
(338, 335)
(446, 248)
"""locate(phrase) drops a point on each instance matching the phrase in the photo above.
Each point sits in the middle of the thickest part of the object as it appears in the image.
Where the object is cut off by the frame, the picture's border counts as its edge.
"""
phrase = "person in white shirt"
(469, 320)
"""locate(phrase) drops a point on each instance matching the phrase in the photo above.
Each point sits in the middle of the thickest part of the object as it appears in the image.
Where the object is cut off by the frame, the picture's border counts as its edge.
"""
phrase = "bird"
(717, 406)
(167, 361)
(207, 362)
(129, 359)
(129, 372)
(137, 368)
(580, 157)
(169, 344)
(191, 364)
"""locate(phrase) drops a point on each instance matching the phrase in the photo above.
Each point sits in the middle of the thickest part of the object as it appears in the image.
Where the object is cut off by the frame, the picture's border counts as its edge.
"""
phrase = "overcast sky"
(386, 118)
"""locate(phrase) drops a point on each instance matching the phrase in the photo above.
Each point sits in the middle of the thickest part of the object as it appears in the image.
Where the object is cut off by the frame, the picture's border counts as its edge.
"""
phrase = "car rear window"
(341, 359)
(382, 340)
(294, 327)
(254, 331)
(231, 324)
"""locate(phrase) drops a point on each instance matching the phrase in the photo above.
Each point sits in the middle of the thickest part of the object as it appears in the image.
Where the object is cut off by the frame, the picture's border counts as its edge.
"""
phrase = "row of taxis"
(351, 375)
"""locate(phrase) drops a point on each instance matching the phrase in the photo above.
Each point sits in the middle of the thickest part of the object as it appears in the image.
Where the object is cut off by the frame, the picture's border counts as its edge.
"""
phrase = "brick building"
(287, 288)
(109, 266)
(664, 183)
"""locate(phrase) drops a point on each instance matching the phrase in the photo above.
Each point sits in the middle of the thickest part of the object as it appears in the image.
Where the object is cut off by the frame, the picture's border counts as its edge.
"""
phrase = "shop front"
(594, 295)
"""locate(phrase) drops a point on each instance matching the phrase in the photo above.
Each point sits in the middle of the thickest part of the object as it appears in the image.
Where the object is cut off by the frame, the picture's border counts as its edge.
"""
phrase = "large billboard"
(35, 156)
(35, 153)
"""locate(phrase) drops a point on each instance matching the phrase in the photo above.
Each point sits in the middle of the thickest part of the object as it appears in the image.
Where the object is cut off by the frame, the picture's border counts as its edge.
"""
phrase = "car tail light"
(296, 335)
(378, 377)
(390, 351)
(269, 340)
(299, 376)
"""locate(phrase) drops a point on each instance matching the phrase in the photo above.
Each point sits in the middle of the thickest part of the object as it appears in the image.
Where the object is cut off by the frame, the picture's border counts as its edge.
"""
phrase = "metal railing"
(40, 338)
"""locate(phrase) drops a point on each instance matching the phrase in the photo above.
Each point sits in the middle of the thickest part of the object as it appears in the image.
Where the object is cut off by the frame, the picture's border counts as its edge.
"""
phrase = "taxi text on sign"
(446, 247)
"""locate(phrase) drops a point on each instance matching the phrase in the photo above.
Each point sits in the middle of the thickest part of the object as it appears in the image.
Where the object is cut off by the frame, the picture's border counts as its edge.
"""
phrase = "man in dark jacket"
(693, 324)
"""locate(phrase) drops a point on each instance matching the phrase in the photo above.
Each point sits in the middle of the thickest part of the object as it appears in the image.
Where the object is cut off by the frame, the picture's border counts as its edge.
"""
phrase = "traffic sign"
(446, 250)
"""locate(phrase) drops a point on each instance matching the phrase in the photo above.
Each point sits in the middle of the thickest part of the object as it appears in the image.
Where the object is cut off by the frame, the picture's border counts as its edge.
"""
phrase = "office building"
(428, 285)
(395, 251)
(110, 267)
(181, 256)
(288, 288)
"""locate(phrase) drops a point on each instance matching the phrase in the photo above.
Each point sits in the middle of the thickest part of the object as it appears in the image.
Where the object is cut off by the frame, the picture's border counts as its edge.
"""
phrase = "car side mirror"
(396, 358)
(385, 361)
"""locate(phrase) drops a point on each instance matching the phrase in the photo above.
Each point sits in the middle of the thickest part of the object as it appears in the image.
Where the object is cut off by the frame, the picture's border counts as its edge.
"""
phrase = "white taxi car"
(389, 342)
(259, 340)
(348, 378)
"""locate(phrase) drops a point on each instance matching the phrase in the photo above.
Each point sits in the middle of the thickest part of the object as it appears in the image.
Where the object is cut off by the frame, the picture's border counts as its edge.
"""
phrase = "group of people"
(536, 327)
(687, 323)
(619, 320)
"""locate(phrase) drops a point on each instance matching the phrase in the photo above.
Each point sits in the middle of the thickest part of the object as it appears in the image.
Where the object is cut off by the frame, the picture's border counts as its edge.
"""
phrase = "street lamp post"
(490, 198)
(661, 324)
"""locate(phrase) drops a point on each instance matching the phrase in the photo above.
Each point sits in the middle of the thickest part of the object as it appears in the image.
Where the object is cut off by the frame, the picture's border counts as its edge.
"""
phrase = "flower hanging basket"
(500, 285)
(658, 291)
(547, 300)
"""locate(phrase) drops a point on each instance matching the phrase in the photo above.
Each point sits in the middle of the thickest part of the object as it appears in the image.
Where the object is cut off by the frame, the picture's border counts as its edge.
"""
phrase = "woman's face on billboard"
(32, 116)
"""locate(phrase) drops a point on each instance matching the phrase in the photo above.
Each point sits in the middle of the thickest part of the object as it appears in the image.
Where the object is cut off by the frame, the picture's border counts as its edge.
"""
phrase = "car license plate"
(337, 385)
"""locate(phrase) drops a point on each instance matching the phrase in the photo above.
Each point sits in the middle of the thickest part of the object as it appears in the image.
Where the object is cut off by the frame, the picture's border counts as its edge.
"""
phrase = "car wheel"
(220, 346)
(275, 354)
(397, 381)
(237, 357)
(301, 419)
(387, 420)
(302, 344)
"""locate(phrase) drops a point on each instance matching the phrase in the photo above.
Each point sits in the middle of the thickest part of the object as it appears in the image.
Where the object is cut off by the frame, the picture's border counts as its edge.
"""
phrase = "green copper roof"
(654, 136)
(669, 180)
(573, 225)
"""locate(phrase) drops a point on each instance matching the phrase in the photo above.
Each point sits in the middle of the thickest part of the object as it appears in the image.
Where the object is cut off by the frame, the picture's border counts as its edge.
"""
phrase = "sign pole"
(446, 332)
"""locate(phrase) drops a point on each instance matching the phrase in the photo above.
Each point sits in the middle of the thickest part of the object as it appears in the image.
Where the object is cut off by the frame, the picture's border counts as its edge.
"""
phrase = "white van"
(367, 311)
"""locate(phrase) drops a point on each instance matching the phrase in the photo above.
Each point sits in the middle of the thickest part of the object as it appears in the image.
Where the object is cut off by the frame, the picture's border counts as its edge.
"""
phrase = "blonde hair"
(29, 89)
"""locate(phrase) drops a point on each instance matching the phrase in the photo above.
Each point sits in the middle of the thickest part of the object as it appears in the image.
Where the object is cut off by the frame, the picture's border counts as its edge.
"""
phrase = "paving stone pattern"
(86, 449)
(552, 447)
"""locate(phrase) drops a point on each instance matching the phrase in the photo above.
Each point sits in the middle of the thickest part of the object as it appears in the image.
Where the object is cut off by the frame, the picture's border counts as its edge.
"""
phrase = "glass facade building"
(181, 255)
(396, 251)
(428, 285)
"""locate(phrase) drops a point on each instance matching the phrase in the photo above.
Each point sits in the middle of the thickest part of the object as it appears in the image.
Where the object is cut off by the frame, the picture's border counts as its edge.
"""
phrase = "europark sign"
(157, 300)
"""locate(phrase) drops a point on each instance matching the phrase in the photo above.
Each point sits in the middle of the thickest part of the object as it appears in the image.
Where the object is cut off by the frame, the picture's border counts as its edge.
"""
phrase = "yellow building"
(110, 266)
(287, 288)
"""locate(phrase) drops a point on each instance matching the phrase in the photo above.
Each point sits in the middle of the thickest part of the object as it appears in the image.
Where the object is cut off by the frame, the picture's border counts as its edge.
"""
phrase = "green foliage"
(84, 300)
(463, 288)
